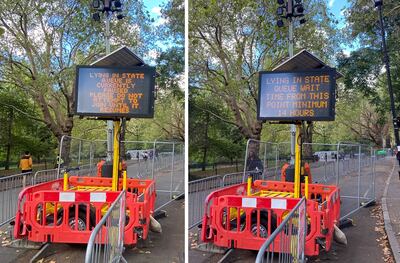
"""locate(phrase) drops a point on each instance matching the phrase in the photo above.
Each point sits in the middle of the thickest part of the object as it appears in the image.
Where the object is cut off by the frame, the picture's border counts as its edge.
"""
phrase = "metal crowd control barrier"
(351, 166)
(77, 152)
(10, 186)
(45, 176)
(162, 161)
(198, 191)
(106, 243)
(348, 165)
(288, 238)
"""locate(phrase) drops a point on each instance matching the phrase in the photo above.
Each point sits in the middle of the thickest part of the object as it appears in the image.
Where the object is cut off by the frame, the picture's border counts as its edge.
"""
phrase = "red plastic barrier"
(232, 219)
(45, 213)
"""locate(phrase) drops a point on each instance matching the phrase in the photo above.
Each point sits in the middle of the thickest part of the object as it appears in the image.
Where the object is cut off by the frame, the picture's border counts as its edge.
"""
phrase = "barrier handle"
(65, 188)
(124, 180)
(249, 179)
(306, 186)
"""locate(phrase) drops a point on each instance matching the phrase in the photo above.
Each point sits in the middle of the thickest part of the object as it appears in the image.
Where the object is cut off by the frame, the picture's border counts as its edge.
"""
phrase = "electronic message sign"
(110, 92)
(297, 95)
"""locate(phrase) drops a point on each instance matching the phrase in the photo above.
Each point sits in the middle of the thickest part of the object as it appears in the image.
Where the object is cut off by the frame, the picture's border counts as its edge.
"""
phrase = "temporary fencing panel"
(106, 243)
(45, 176)
(161, 161)
(198, 191)
(288, 238)
(81, 155)
(262, 160)
(10, 186)
(351, 167)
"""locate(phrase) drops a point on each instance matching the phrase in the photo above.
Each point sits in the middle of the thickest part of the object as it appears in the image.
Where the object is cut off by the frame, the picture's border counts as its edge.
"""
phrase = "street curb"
(388, 227)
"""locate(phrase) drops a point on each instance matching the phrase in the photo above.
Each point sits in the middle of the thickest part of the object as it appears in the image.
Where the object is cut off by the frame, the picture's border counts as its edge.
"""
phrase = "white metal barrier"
(45, 176)
(351, 166)
(286, 244)
(106, 242)
(10, 186)
(198, 191)
(162, 161)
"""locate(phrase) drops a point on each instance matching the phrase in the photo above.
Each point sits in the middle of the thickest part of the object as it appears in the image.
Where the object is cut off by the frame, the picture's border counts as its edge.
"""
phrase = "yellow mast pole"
(297, 163)
(116, 156)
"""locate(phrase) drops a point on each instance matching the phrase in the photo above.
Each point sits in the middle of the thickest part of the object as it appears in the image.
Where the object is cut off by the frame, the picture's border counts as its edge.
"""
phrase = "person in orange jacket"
(25, 163)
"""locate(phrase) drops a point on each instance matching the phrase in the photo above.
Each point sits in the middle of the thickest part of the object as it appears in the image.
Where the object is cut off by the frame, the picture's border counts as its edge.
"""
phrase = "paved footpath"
(391, 209)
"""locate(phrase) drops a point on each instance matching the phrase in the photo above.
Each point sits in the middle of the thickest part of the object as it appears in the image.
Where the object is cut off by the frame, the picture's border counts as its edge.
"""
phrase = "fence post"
(59, 163)
(338, 165)
(172, 169)
(91, 155)
(359, 174)
(373, 173)
(24, 180)
(265, 165)
(79, 152)
(245, 160)
(154, 157)
(276, 160)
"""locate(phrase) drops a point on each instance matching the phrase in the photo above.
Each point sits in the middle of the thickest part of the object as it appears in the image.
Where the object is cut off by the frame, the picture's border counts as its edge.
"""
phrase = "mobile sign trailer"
(244, 215)
(66, 210)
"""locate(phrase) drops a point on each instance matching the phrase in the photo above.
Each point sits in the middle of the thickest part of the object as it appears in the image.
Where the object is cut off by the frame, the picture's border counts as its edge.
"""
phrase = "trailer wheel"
(263, 228)
(263, 224)
(81, 220)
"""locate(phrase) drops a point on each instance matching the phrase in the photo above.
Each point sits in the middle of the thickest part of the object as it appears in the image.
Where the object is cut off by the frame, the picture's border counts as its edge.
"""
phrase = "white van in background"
(326, 156)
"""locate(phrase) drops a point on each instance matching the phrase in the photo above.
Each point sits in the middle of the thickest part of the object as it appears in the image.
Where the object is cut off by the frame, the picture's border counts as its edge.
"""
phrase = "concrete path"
(391, 209)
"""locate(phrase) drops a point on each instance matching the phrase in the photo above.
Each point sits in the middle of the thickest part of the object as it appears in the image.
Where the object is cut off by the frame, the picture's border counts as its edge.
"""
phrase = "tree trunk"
(255, 137)
(9, 143)
(307, 138)
(387, 141)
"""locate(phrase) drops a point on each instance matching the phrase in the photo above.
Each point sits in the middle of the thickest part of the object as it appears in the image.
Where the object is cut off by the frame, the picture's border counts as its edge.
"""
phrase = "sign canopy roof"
(121, 57)
(303, 60)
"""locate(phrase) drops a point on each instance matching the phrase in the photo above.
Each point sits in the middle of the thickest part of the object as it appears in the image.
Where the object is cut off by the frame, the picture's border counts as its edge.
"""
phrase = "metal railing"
(287, 242)
(162, 161)
(45, 176)
(198, 191)
(10, 187)
(353, 170)
(106, 242)
(350, 166)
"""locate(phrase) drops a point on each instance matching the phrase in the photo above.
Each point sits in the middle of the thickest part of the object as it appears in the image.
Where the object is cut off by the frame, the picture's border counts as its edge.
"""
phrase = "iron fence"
(287, 242)
(106, 242)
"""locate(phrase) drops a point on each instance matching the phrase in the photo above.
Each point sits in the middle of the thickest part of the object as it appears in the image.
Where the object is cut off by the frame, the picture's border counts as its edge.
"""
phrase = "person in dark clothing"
(398, 157)
(254, 166)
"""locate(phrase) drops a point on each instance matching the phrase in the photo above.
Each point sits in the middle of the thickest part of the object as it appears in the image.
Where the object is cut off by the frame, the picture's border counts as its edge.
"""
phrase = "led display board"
(297, 95)
(114, 92)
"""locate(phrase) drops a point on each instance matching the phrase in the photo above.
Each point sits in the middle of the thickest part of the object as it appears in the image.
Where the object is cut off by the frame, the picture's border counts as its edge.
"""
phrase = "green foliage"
(43, 41)
(364, 70)
(229, 42)
(26, 134)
